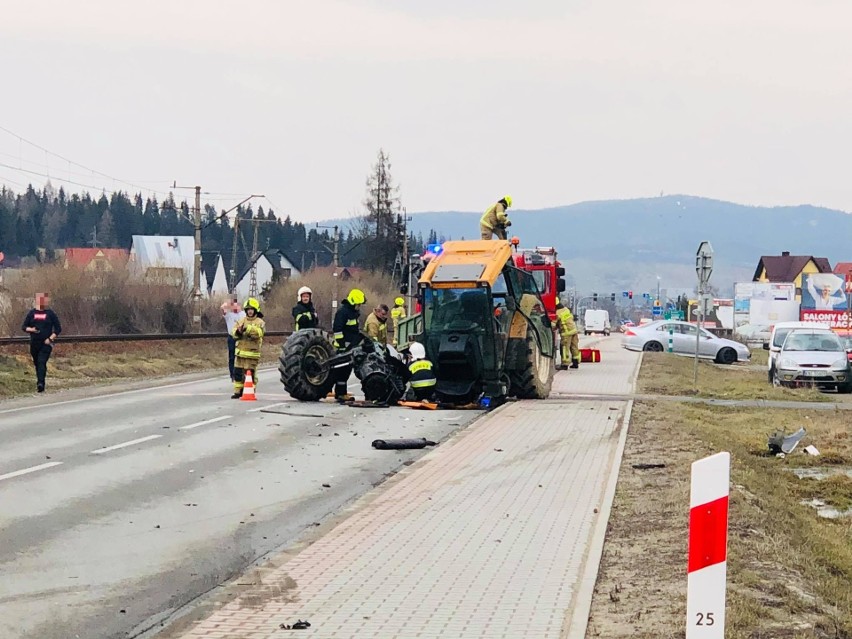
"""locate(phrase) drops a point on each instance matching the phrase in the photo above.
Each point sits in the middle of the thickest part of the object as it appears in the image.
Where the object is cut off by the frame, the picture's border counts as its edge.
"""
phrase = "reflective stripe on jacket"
(345, 327)
(305, 316)
(494, 216)
(565, 322)
(249, 335)
(422, 374)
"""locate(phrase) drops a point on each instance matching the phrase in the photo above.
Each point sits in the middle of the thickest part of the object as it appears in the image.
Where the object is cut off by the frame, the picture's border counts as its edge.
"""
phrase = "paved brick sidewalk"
(486, 536)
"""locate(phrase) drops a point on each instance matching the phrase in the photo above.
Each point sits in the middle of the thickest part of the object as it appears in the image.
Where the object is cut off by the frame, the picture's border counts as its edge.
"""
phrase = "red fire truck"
(542, 263)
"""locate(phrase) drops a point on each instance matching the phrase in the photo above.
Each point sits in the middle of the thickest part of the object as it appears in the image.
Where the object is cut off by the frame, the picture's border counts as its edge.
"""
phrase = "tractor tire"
(534, 380)
(378, 382)
(300, 364)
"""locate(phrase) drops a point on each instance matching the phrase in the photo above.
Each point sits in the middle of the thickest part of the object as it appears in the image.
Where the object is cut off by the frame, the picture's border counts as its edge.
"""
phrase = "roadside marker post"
(671, 336)
(707, 566)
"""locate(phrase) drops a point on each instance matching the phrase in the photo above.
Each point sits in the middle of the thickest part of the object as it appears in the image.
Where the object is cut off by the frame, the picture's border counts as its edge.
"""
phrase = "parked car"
(655, 337)
(776, 341)
(813, 357)
(596, 320)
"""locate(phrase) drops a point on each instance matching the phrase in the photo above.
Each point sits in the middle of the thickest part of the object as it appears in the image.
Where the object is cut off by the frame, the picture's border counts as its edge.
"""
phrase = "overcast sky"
(551, 101)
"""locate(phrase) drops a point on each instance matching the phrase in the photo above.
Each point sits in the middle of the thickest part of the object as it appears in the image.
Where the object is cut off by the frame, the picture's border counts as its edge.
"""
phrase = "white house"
(219, 284)
(164, 259)
(270, 264)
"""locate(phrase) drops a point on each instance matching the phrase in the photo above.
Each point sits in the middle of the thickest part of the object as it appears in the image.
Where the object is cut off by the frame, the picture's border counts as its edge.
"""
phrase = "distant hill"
(616, 245)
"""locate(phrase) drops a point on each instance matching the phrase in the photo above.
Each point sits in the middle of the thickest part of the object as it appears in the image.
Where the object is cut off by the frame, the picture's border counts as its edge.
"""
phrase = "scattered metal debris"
(299, 625)
(401, 444)
(781, 443)
(647, 466)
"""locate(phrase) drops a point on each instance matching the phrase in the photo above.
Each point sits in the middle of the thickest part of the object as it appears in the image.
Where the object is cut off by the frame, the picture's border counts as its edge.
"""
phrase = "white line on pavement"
(205, 422)
(100, 451)
(118, 394)
(31, 469)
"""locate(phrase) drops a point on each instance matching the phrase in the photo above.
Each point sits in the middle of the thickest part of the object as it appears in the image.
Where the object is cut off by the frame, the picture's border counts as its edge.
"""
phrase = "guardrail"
(143, 337)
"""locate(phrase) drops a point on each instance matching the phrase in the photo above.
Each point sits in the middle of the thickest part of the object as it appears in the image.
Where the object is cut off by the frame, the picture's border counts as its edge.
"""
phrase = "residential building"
(97, 260)
(272, 265)
(164, 259)
(789, 268)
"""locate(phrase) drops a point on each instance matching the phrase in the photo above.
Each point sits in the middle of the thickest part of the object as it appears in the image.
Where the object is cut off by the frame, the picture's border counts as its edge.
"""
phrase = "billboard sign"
(764, 303)
(824, 299)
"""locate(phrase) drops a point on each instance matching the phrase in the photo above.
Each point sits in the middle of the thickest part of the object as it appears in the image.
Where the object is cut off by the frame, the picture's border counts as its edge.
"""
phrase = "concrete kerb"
(577, 619)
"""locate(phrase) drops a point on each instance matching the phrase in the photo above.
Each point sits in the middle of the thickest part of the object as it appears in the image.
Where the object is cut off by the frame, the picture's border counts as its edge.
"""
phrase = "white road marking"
(100, 451)
(118, 394)
(205, 422)
(31, 469)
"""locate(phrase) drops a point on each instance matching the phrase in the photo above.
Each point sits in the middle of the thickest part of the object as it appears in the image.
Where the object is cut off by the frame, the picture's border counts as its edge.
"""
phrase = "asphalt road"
(117, 509)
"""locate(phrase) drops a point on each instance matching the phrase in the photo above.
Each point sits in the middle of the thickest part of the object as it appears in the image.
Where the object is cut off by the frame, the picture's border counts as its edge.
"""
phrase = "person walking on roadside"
(249, 335)
(397, 315)
(43, 326)
(376, 325)
(346, 337)
(304, 313)
(570, 336)
(495, 220)
(232, 313)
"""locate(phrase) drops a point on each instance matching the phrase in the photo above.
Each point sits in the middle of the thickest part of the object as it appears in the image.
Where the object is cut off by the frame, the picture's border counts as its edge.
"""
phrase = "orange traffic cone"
(248, 389)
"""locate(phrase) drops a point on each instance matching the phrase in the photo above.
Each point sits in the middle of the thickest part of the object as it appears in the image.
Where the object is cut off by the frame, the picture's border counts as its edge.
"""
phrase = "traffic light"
(612, 297)
(594, 297)
(630, 294)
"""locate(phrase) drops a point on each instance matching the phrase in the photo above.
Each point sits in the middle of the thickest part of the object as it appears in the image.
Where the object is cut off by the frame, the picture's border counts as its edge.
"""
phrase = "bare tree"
(381, 228)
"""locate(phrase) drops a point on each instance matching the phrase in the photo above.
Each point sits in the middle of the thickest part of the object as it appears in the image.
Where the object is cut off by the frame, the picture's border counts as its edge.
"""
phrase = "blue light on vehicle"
(435, 248)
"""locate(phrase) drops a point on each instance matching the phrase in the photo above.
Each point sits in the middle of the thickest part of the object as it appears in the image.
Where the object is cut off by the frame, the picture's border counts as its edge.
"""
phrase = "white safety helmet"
(302, 291)
(417, 350)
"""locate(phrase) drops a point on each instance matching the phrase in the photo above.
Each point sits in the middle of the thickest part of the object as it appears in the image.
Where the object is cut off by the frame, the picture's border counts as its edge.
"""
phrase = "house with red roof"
(97, 260)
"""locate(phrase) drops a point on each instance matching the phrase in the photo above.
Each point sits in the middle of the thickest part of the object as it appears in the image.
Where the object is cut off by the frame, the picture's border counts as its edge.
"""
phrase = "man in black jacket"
(43, 326)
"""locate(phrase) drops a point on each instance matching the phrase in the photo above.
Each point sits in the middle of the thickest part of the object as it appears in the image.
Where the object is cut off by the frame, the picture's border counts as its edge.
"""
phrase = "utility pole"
(95, 236)
(196, 280)
(335, 261)
(254, 258)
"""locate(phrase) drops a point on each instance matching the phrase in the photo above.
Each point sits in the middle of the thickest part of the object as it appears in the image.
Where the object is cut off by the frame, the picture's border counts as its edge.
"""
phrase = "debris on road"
(299, 625)
(401, 444)
(326, 485)
(780, 443)
(811, 450)
(647, 466)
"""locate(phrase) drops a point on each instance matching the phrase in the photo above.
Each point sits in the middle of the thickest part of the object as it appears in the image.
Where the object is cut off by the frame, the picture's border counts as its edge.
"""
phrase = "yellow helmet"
(252, 303)
(356, 296)
(399, 301)
(508, 199)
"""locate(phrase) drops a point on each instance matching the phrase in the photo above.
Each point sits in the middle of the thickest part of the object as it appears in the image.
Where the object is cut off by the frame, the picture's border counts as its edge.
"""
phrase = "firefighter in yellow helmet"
(495, 220)
(248, 332)
(346, 337)
(397, 313)
(570, 342)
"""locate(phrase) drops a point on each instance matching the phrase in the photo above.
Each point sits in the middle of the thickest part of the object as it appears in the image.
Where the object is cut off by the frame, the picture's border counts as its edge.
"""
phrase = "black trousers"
(232, 347)
(40, 353)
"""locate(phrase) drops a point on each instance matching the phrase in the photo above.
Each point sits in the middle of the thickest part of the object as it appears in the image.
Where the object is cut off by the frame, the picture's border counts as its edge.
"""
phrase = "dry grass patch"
(789, 569)
(75, 365)
(665, 374)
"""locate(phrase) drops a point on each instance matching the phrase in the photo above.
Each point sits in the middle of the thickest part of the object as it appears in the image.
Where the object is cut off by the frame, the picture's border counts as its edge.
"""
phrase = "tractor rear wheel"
(534, 379)
(301, 364)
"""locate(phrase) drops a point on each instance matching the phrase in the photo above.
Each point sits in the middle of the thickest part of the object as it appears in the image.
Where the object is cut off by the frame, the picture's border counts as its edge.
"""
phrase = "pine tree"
(381, 229)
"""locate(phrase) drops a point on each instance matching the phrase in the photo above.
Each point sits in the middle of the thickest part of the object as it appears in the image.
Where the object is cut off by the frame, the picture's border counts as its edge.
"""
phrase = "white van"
(777, 337)
(596, 321)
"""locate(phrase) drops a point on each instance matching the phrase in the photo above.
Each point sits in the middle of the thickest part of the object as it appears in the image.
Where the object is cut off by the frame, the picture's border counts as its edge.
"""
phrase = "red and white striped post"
(708, 547)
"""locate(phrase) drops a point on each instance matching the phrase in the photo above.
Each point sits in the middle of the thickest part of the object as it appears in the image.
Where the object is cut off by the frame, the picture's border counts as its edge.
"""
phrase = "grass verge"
(789, 570)
(664, 374)
(75, 365)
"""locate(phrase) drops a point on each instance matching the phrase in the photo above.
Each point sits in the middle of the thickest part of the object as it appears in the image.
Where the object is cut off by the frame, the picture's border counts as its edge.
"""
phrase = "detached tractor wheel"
(300, 365)
(534, 379)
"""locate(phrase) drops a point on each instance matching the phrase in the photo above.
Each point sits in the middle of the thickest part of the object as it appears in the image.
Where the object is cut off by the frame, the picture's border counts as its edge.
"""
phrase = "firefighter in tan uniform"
(495, 220)
(249, 335)
(397, 315)
(376, 325)
(570, 342)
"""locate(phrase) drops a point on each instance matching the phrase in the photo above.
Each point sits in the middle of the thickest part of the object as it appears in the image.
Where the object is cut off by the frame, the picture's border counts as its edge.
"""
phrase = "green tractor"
(483, 323)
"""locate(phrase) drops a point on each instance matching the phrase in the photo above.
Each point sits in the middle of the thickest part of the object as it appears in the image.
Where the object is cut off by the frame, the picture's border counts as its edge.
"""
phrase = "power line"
(69, 161)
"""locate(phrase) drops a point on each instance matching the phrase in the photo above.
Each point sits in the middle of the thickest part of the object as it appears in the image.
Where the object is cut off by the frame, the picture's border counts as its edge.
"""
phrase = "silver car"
(813, 357)
(655, 337)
